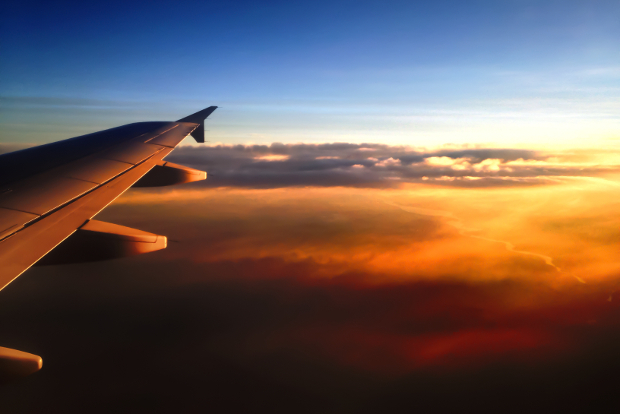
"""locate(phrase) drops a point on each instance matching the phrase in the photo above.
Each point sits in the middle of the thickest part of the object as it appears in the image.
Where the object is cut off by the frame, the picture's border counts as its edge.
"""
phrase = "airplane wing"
(50, 194)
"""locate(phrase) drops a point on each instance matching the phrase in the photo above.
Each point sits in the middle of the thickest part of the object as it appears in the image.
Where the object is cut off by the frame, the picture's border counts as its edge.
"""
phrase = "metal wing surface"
(51, 192)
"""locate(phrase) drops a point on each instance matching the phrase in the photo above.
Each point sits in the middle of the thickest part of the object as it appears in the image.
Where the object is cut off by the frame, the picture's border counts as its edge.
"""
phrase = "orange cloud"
(399, 280)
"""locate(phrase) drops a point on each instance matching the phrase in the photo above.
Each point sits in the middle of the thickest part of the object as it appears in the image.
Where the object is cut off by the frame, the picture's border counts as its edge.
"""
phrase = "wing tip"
(199, 118)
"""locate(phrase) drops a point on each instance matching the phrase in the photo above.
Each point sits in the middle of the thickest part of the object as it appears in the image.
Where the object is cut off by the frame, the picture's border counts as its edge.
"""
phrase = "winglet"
(199, 118)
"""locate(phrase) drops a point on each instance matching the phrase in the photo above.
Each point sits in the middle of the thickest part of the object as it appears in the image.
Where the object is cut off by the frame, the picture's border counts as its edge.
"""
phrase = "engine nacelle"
(16, 364)
(98, 240)
(167, 173)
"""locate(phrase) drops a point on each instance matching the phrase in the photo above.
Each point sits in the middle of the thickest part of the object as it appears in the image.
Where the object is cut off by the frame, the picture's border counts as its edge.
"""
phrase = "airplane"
(50, 194)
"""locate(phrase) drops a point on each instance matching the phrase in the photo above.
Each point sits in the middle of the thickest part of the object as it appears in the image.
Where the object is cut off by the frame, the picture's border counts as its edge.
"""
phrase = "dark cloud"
(265, 336)
(375, 165)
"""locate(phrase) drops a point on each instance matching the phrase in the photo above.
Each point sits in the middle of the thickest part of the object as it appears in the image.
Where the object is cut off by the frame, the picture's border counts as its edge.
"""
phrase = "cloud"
(174, 333)
(378, 166)
(306, 300)
(454, 163)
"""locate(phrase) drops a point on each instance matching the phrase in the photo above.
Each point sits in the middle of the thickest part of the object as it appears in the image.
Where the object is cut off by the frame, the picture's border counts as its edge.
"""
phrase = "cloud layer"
(334, 299)
(378, 166)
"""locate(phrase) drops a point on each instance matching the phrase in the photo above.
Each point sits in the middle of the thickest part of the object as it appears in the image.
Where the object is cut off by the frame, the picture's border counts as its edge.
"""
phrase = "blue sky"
(509, 73)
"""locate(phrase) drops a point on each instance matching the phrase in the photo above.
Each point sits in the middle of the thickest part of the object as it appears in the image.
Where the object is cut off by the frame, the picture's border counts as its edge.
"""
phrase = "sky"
(411, 73)
(410, 206)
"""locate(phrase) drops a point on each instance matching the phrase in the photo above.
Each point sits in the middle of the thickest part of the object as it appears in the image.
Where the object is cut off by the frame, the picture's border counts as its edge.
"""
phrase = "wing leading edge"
(50, 193)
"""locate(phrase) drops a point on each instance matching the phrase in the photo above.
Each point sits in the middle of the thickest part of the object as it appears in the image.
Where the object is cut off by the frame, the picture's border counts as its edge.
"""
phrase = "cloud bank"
(377, 166)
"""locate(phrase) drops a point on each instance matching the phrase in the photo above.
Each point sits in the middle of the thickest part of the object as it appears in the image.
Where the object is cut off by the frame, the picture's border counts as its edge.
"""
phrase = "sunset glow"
(452, 276)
